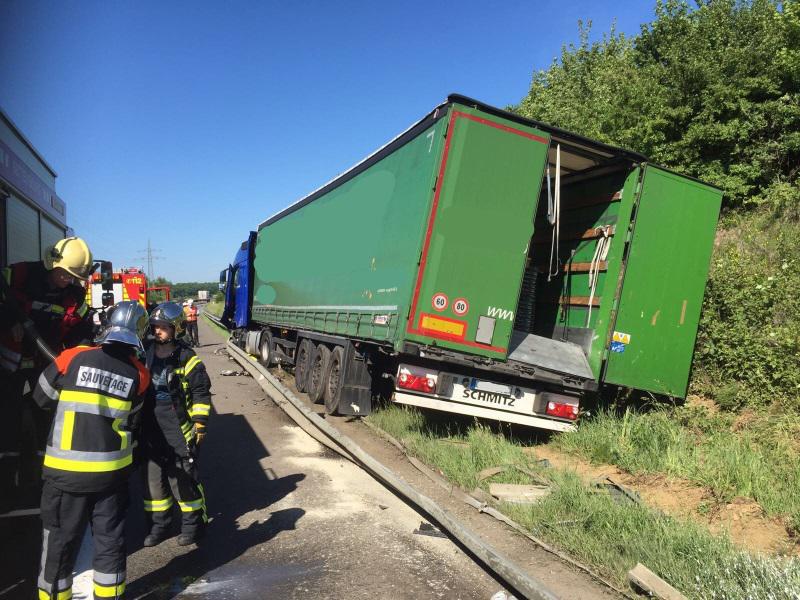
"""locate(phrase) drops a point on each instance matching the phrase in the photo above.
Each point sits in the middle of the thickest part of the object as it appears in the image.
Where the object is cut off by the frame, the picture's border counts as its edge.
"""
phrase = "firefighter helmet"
(169, 313)
(71, 254)
(127, 324)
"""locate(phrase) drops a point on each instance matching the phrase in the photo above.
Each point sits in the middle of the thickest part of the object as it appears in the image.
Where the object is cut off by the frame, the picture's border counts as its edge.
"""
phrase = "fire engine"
(128, 284)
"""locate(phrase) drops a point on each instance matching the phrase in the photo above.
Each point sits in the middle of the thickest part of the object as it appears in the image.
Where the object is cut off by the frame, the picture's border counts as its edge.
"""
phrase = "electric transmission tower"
(149, 254)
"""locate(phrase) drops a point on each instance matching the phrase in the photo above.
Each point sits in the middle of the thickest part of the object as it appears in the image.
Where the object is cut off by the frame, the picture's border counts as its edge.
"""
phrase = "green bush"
(711, 90)
(749, 339)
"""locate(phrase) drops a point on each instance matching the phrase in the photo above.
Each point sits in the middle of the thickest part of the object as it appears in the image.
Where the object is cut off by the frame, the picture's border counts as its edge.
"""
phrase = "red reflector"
(420, 383)
(562, 411)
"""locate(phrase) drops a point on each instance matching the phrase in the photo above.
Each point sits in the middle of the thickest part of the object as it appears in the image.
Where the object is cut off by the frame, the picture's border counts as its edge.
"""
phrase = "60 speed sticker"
(460, 306)
(439, 301)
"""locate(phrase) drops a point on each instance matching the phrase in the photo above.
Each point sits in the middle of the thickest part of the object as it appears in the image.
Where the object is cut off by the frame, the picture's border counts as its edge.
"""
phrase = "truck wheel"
(335, 369)
(317, 371)
(301, 365)
(266, 351)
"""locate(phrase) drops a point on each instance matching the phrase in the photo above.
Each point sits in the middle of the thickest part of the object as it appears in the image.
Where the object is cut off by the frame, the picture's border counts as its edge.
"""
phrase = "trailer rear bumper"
(453, 406)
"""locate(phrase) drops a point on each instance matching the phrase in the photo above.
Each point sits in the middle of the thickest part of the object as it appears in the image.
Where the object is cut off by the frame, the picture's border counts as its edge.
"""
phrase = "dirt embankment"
(742, 518)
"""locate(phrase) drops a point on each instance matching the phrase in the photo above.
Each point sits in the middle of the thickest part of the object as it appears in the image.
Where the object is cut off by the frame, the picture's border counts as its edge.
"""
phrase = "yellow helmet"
(71, 254)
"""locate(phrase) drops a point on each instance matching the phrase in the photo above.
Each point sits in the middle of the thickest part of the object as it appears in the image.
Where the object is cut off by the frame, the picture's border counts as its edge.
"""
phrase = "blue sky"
(190, 122)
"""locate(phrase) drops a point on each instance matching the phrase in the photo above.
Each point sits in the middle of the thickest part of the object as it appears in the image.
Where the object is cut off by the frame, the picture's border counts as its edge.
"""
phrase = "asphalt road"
(290, 519)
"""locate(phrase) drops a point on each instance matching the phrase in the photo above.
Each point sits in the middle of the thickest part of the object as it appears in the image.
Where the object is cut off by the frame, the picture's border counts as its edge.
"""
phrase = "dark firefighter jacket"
(171, 424)
(60, 315)
(97, 393)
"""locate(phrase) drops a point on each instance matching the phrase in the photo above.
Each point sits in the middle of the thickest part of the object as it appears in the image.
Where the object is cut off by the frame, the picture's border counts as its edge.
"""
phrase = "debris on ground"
(518, 494)
(644, 579)
(481, 496)
(503, 595)
(429, 530)
(618, 492)
(232, 373)
(492, 471)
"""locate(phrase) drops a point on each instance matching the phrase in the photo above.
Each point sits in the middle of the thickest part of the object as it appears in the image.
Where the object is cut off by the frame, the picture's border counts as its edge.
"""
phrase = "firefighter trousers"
(169, 476)
(24, 428)
(64, 519)
(192, 333)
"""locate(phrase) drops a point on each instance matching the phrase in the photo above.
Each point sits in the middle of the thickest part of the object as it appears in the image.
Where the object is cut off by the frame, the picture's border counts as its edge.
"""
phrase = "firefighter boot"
(193, 536)
(155, 537)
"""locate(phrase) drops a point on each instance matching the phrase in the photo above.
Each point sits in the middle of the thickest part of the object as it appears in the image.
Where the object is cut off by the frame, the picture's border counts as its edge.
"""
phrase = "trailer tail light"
(562, 411)
(417, 379)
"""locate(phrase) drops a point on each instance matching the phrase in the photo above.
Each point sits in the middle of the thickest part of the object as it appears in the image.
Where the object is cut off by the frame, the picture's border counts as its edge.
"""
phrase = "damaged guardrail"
(326, 434)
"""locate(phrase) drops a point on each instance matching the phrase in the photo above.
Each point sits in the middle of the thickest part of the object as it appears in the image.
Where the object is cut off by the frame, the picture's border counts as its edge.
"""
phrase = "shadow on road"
(236, 484)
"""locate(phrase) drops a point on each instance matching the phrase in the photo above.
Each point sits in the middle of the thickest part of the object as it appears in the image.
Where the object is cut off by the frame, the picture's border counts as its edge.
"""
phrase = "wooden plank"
(576, 301)
(644, 578)
(517, 493)
(579, 267)
(490, 472)
(544, 237)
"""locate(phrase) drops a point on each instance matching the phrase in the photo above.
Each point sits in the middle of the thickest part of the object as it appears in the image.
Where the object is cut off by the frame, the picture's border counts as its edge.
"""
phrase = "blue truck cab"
(235, 282)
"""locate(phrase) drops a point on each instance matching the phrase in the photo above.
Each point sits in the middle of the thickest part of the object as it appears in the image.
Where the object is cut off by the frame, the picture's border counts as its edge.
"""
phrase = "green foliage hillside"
(711, 90)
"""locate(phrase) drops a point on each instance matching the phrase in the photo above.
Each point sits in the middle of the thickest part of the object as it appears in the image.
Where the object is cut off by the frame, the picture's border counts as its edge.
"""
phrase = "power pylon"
(150, 256)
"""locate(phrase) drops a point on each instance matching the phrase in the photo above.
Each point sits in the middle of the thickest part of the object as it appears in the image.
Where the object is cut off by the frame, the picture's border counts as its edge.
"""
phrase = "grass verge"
(588, 524)
(215, 308)
(754, 457)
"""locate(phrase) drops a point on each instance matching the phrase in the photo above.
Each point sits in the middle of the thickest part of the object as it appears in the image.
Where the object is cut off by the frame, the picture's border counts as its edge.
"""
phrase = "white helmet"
(190, 302)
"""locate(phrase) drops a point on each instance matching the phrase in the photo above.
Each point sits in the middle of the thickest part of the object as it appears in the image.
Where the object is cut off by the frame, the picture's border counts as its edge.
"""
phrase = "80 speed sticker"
(460, 306)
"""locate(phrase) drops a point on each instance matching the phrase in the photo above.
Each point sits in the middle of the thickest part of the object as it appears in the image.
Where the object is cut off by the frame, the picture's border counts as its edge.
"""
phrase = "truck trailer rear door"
(477, 234)
(665, 274)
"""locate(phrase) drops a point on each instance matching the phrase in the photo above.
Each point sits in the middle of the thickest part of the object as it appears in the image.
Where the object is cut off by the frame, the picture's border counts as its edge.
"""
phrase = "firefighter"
(41, 299)
(97, 393)
(174, 425)
(190, 310)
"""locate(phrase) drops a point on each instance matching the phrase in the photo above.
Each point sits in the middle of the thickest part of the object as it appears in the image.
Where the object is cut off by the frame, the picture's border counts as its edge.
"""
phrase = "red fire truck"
(129, 284)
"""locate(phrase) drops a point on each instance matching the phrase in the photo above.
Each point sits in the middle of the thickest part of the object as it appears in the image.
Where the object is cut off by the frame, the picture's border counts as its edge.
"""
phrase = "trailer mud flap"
(355, 384)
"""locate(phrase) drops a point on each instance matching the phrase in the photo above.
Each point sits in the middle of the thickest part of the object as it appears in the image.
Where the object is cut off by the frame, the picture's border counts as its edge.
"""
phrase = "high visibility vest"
(97, 393)
(190, 312)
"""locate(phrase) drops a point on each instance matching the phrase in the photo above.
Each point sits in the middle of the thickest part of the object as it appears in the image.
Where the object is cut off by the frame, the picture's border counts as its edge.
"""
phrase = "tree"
(712, 92)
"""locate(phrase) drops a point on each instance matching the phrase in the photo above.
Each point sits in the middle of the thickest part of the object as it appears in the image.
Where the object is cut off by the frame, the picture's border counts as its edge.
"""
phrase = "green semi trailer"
(484, 264)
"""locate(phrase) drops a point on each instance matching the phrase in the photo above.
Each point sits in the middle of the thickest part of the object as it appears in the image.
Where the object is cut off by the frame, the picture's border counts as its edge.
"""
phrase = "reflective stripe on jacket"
(191, 398)
(97, 393)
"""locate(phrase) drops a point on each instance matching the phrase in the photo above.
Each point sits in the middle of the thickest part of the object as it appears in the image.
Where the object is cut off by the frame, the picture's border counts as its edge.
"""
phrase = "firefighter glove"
(199, 433)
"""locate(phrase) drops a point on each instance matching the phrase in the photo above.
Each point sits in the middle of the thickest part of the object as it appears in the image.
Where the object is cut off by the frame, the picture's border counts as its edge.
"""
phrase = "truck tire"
(266, 353)
(302, 363)
(332, 380)
(317, 372)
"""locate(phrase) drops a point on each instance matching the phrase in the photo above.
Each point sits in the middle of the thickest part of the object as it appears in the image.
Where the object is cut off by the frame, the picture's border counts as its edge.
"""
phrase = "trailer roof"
(578, 153)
